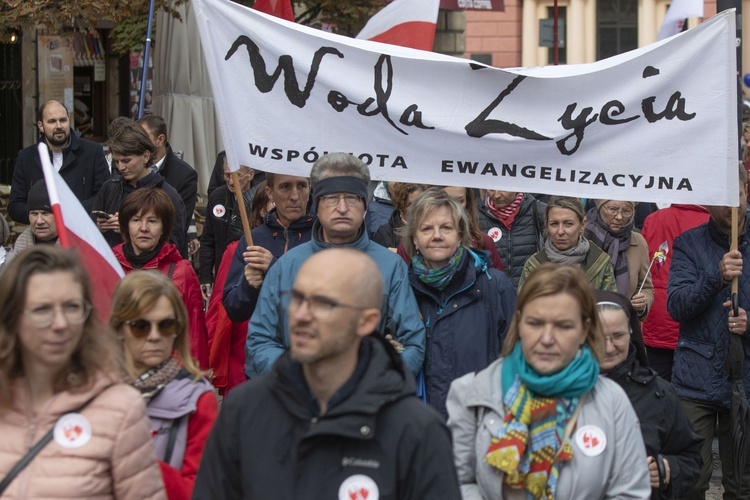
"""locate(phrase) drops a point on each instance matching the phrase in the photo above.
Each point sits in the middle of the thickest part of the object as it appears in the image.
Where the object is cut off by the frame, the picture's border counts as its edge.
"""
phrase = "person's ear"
(40, 126)
(368, 322)
(269, 193)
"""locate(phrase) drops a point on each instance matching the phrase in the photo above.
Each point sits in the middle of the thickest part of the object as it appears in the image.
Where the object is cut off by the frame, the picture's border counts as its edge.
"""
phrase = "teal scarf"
(576, 379)
(437, 278)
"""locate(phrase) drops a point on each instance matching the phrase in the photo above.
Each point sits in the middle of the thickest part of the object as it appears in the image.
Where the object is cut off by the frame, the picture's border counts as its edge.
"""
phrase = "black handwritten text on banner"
(654, 124)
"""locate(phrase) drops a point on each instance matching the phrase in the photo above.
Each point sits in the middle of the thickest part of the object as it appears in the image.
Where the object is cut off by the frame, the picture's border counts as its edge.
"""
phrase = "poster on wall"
(56, 69)
(136, 73)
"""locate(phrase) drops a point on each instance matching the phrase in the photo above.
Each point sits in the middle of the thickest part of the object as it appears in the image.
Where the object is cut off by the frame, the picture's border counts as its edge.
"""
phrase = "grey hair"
(338, 165)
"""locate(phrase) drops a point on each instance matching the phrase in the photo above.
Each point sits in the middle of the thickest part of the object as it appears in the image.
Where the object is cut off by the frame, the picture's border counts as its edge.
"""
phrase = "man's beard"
(55, 142)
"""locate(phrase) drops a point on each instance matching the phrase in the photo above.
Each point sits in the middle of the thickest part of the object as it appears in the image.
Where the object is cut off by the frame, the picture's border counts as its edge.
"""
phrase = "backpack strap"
(171, 269)
(173, 438)
(34, 451)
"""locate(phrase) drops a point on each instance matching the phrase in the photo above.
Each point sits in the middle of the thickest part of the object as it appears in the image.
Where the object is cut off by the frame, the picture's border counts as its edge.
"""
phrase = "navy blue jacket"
(113, 193)
(524, 238)
(239, 297)
(465, 323)
(84, 170)
(695, 294)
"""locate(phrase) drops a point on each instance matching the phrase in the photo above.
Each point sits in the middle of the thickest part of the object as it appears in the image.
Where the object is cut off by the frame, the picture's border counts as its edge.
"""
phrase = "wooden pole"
(241, 205)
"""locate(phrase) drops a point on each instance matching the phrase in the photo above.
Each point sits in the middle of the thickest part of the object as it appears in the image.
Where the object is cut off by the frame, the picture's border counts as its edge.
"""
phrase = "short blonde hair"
(136, 294)
(552, 279)
(428, 201)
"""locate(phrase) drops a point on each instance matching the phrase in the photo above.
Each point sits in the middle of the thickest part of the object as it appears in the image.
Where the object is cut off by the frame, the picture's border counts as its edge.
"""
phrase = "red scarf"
(507, 214)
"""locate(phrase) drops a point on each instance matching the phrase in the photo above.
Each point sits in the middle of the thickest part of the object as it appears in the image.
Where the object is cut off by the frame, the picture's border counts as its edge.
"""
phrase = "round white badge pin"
(495, 234)
(219, 210)
(591, 440)
(359, 487)
(72, 431)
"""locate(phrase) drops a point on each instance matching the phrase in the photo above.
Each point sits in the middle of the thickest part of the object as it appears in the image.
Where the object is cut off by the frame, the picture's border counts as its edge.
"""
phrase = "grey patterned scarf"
(572, 256)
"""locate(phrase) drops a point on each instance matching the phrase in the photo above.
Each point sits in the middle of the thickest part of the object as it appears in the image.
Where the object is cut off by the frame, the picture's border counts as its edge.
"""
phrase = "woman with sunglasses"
(146, 221)
(151, 322)
(609, 225)
(59, 378)
(673, 449)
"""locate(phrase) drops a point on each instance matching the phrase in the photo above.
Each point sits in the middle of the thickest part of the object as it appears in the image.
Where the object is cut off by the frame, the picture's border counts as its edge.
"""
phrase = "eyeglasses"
(241, 175)
(332, 200)
(320, 306)
(617, 338)
(142, 327)
(613, 211)
(43, 316)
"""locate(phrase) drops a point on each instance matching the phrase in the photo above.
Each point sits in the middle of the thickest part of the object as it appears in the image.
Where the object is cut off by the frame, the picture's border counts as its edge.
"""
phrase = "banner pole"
(241, 205)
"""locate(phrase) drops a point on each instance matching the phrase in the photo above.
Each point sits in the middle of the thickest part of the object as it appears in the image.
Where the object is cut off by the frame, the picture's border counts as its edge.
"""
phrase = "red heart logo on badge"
(73, 433)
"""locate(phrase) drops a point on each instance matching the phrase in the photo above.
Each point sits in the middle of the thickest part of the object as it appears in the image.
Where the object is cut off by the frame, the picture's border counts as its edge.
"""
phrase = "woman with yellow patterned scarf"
(539, 422)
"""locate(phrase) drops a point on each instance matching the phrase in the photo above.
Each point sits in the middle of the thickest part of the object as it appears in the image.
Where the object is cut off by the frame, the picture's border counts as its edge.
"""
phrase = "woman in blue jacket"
(465, 304)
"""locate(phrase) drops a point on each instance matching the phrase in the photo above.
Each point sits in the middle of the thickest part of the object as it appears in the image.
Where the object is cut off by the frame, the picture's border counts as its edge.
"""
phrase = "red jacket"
(179, 483)
(659, 329)
(226, 340)
(186, 281)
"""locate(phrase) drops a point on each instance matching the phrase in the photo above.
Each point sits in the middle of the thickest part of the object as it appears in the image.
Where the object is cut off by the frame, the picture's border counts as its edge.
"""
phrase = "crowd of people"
(368, 340)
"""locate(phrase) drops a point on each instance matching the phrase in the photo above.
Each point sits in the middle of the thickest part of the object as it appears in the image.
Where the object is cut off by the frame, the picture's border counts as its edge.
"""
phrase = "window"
(616, 27)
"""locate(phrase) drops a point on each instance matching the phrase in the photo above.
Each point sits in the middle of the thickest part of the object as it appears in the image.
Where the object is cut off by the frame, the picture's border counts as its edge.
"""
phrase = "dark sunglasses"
(142, 327)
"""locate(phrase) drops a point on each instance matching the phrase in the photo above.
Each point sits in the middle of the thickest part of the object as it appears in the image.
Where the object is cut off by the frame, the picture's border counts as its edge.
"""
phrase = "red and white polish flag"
(279, 8)
(408, 23)
(76, 230)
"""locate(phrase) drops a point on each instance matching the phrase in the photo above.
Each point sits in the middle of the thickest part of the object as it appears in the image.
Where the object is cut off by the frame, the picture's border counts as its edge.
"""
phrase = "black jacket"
(239, 297)
(387, 234)
(111, 195)
(665, 425)
(524, 238)
(84, 170)
(184, 179)
(221, 227)
(270, 441)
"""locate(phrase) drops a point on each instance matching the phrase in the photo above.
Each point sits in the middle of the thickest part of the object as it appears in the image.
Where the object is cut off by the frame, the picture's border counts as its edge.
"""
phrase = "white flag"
(678, 11)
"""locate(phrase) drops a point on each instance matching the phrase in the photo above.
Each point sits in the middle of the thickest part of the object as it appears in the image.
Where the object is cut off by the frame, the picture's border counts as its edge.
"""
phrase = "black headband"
(340, 184)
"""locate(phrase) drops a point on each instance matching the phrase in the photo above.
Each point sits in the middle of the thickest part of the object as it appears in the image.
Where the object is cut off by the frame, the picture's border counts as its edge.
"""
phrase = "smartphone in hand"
(100, 215)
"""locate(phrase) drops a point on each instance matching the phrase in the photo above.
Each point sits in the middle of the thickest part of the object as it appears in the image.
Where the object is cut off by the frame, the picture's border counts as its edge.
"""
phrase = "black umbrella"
(740, 409)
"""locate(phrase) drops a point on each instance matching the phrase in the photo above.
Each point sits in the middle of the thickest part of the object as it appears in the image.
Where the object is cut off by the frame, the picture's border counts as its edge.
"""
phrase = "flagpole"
(54, 199)
(145, 60)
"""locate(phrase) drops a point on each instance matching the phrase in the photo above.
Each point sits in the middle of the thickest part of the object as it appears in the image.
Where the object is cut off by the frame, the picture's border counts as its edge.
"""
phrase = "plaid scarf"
(437, 278)
(615, 243)
(506, 215)
(150, 383)
(529, 449)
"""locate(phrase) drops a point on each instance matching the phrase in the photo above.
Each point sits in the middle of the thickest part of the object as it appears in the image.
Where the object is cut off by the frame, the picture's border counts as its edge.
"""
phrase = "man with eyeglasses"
(42, 227)
(339, 195)
(698, 297)
(337, 416)
(223, 223)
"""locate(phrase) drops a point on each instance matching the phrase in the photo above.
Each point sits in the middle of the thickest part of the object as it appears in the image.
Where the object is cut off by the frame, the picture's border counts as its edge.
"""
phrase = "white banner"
(655, 124)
